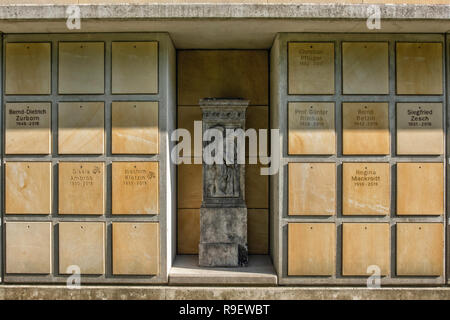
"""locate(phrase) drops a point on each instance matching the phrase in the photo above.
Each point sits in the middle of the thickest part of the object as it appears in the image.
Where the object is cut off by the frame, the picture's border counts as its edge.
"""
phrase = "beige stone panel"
(365, 67)
(38, 2)
(28, 187)
(82, 244)
(408, 1)
(365, 244)
(186, 118)
(419, 68)
(81, 188)
(135, 188)
(134, 67)
(28, 68)
(312, 189)
(365, 128)
(420, 248)
(188, 225)
(190, 186)
(256, 187)
(135, 248)
(258, 231)
(81, 68)
(28, 128)
(311, 128)
(28, 247)
(135, 128)
(420, 128)
(311, 249)
(311, 68)
(366, 189)
(257, 117)
(223, 73)
(420, 188)
(81, 128)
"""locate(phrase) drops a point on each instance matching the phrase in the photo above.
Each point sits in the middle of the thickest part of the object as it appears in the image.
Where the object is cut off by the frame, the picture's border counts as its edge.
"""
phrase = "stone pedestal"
(223, 215)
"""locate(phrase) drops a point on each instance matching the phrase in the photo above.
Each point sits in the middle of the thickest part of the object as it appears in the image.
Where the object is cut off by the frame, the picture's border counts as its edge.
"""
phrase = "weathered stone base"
(223, 237)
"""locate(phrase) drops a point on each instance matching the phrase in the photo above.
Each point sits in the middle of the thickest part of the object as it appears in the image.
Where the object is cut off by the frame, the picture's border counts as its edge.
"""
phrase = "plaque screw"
(365, 228)
(311, 107)
(310, 228)
(365, 168)
(420, 228)
(420, 167)
(81, 47)
(28, 226)
(311, 47)
(134, 46)
(365, 107)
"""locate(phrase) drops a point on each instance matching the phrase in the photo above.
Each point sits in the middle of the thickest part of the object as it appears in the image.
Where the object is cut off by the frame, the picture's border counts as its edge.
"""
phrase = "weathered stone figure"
(223, 215)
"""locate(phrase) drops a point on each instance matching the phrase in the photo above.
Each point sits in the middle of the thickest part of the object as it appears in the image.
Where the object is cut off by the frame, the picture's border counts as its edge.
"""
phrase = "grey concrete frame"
(167, 192)
(279, 183)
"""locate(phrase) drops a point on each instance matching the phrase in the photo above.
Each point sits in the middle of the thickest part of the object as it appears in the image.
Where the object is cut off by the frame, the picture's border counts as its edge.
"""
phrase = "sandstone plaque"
(189, 186)
(82, 244)
(311, 249)
(365, 67)
(365, 244)
(420, 188)
(365, 128)
(258, 231)
(419, 68)
(135, 188)
(185, 118)
(420, 128)
(81, 128)
(134, 67)
(366, 189)
(135, 127)
(81, 188)
(28, 247)
(28, 187)
(188, 235)
(135, 248)
(312, 189)
(81, 68)
(28, 68)
(311, 68)
(311, 128)
(420, 249)
(28, 128)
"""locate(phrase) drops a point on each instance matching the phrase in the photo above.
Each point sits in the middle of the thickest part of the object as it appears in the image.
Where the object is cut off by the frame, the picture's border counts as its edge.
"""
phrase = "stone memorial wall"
(82, 157)
(363, 188)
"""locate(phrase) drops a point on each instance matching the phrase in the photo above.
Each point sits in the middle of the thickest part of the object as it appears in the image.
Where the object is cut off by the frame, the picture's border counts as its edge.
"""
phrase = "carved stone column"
(223, 214)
